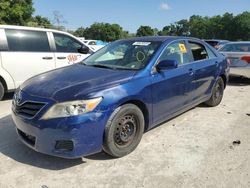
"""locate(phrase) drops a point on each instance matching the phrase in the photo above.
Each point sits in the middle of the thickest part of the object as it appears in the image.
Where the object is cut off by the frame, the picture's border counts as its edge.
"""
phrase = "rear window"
(199, 51)
(239, 47)
(27, 41)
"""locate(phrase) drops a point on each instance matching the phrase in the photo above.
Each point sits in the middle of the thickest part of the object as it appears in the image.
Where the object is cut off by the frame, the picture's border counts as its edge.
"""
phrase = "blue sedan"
(111, 98)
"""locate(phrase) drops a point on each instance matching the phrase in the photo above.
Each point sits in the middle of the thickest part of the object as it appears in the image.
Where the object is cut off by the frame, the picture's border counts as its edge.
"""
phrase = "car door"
(171, 88)
(28, 54)
(66, 50)
(205, 67)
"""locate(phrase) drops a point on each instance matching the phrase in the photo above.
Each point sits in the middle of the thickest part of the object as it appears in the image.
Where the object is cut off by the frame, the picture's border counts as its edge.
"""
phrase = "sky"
(131, 14)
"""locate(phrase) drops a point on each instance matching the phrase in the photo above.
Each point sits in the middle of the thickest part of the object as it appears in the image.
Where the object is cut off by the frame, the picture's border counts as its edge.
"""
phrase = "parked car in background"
(95, 44)
(27, 51)
(238, 53)
(217, 44)
(113, 96)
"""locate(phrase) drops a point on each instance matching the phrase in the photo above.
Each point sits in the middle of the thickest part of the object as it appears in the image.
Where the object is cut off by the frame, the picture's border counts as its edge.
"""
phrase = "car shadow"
(13, 148)
(100, 157)
(238, 81)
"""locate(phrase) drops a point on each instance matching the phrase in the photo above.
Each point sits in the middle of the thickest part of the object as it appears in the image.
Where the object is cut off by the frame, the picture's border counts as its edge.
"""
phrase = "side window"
(27, 41)
(199, 51)
(210, 53)
(66, 43)
(176, 51)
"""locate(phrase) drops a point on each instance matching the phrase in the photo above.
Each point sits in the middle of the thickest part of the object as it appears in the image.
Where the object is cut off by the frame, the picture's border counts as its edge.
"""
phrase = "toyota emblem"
(18, 97)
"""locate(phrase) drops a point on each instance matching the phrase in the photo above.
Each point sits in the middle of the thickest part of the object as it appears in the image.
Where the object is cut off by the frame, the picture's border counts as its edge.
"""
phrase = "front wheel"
(217, 93)
(124, 130)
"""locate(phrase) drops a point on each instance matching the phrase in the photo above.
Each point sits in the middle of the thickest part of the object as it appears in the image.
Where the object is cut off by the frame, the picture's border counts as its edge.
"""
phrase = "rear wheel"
(1, 91)
(217, 93)
(123, 131)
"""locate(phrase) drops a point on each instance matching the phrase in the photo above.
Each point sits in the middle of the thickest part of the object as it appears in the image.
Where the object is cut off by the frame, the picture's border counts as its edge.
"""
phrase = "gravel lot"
(194, 149)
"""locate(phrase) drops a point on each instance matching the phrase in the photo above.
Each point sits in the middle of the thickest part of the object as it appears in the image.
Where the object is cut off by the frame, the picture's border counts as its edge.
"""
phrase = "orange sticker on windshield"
(183, 48)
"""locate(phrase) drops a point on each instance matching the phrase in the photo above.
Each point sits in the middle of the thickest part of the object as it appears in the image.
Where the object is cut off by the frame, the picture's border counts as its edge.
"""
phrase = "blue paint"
(165, 95)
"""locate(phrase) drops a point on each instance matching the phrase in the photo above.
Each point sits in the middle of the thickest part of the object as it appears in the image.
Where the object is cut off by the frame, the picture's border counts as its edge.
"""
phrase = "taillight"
(246, 58)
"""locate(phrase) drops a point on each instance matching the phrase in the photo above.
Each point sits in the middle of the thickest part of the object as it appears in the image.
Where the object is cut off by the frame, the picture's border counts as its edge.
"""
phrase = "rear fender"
(6, 77)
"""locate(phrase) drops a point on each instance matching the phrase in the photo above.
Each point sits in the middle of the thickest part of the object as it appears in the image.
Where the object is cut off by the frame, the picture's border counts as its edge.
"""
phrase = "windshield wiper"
(125, 68)
(108, 67)
(102, 66)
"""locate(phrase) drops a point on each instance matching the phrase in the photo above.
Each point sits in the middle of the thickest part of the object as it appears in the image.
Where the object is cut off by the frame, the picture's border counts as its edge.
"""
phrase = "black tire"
(217, 93)
(1, 91)
(123, 131)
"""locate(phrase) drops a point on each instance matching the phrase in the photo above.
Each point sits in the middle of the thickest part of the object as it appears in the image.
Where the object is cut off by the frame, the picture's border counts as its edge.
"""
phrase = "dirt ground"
(194, 149)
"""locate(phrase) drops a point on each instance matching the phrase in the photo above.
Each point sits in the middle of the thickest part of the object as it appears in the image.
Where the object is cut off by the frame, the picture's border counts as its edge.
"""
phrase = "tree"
(145, 31)
(104, 31)
(59, 20)
(79, 32)
(16, 12)
(241, 30)
(39, 21)
(182, 28)
(228, 25)
(215, 28)
(198, 26)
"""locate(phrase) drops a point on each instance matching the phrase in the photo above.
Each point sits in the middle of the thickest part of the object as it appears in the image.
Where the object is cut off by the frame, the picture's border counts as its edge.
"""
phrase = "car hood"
(75, 81)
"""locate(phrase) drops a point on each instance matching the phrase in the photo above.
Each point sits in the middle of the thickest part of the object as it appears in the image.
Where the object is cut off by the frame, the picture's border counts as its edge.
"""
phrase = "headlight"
(73, 108)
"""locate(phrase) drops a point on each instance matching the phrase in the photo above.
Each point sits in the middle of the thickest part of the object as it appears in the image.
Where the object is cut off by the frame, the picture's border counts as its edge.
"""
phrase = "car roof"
(160, 38)
(215, 40)
(30, 28)
(239, 42)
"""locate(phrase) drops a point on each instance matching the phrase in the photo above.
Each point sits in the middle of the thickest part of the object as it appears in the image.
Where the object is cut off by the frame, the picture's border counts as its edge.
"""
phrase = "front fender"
(137, 89)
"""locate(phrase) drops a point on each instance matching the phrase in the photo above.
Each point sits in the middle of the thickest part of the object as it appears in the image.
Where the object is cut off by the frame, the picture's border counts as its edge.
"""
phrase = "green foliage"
(242, 26)
(39, 21)
(104, 31)
(145, 31)
(19, 12)
(79, 32)
(16, 12)
(177, 29)
(226, 26)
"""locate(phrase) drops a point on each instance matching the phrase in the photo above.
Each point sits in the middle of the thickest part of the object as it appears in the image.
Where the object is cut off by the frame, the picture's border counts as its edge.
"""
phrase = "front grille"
(28, 138)
(29, 109)
(66, 145)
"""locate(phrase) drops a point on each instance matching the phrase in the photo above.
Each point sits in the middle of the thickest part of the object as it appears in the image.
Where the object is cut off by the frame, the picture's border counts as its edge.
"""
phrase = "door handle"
(47, 58)
(61, 57)
(191, 72)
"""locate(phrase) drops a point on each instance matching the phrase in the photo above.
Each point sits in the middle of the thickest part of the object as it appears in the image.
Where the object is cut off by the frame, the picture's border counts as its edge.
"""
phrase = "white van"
(27, 51)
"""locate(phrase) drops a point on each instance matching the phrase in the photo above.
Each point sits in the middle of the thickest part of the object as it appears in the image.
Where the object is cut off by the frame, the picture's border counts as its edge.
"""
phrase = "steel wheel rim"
(218, 92)
(125, 130)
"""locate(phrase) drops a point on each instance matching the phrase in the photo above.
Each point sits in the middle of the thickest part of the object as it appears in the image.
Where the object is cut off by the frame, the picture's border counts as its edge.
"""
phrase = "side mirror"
(84, 50)
(167, 64)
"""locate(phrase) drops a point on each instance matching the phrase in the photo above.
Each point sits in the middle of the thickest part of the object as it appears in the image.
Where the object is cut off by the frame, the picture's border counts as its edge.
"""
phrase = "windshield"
(238, 47)
(123, 55)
